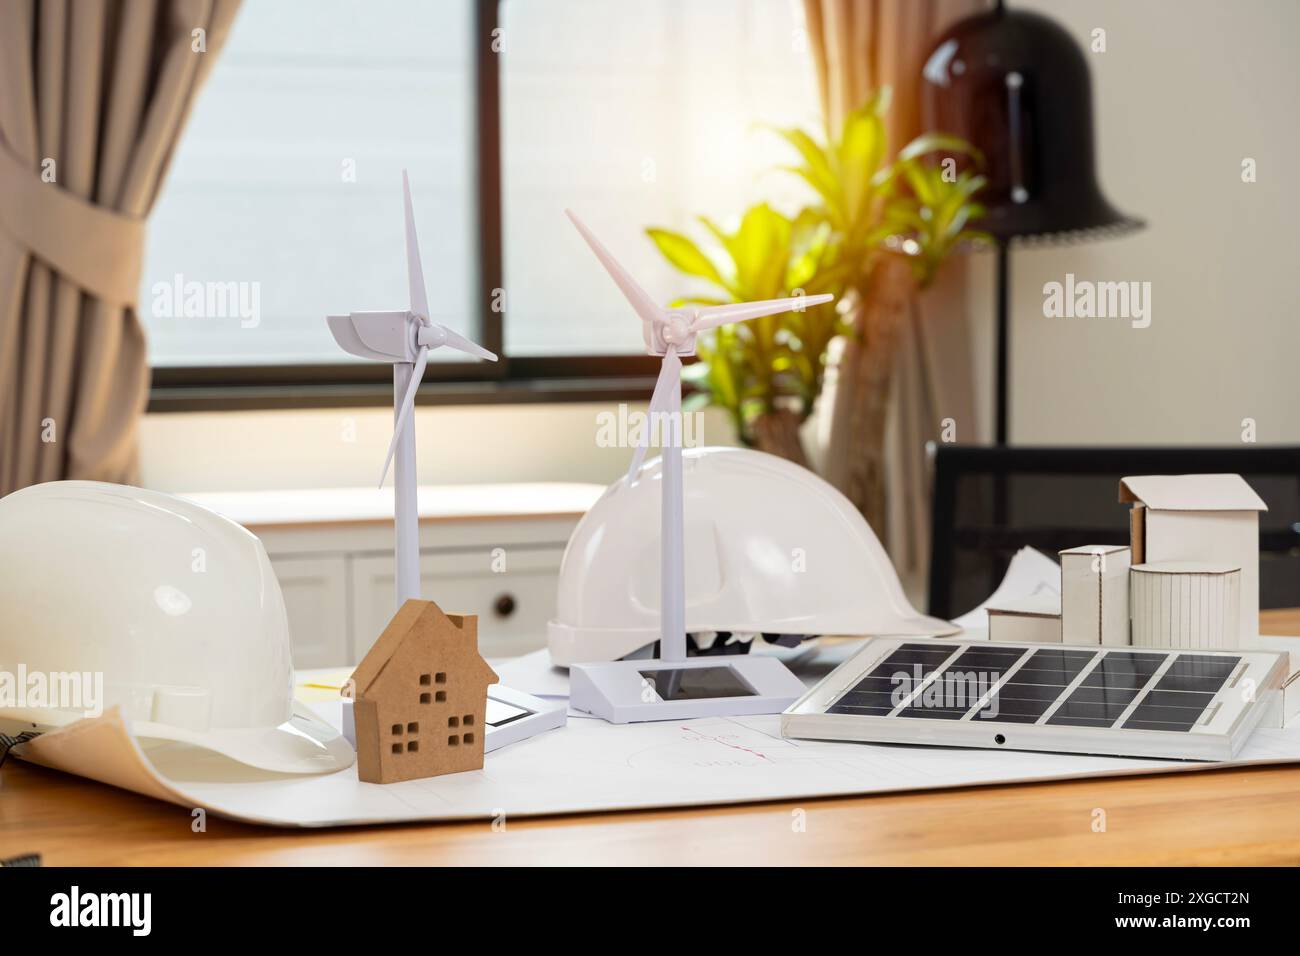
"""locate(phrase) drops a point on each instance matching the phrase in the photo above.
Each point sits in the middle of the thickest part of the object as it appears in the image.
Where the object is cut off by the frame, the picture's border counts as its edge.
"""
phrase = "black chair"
(990, 502)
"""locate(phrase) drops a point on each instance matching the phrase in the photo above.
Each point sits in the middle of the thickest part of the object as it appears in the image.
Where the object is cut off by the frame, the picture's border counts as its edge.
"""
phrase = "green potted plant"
(876, 234)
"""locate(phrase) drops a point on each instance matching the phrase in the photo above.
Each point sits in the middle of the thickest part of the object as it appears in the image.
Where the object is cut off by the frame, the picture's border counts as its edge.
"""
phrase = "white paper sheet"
(588, 766)
(533, 674)
(1030, 574)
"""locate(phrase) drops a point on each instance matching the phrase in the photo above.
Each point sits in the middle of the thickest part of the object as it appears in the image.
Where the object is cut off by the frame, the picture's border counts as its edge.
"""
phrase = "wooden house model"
(420, 697)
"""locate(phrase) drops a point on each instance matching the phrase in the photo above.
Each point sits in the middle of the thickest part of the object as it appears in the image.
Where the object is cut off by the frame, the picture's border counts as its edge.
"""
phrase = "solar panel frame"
(1115, 712)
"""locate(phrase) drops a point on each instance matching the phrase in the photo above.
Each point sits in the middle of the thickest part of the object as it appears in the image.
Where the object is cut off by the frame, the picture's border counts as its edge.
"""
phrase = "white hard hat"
(175, 606)
(771, 549)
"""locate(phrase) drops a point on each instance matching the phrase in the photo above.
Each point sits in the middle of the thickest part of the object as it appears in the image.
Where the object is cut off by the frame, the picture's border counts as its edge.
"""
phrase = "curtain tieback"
(95, 248)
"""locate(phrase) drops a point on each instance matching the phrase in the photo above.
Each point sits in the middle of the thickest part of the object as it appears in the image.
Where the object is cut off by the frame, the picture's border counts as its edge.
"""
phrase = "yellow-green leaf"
(685, 255)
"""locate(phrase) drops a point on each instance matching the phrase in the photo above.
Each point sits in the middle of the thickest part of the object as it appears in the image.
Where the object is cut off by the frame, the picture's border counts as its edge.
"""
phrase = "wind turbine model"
(674, 686)
(405, 338)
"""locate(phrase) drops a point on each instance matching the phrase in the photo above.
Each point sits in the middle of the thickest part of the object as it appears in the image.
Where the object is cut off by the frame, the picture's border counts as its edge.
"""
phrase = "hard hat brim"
(303, 744)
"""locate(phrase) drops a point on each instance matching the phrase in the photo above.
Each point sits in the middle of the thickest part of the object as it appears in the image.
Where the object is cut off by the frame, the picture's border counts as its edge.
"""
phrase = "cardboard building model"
(1095, 595)
(420, 697)
(1199, 518)
(1186, 604)
(1032, 620)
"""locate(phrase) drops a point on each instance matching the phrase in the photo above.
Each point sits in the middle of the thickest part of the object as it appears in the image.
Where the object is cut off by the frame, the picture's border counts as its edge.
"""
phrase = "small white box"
(1186, 604)
(1094, 595)
(1035, 620)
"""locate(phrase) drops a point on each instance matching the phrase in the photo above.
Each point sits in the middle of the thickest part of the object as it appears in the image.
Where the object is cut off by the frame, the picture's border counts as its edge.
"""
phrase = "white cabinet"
(316, 597)
(490, 550)
(511, 591)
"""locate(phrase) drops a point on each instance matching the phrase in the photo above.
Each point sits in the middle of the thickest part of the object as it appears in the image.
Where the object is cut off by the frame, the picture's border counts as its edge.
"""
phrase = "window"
(283, 203)
(634, 114)
(287, 181)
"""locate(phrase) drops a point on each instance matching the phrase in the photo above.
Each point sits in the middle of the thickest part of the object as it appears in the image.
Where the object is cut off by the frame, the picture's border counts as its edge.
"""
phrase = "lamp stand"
(998, 567)
(1003, 343)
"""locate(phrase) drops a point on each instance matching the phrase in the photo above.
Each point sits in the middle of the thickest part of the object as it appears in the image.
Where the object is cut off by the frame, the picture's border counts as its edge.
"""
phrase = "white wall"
(1184, 91)
(325, 448)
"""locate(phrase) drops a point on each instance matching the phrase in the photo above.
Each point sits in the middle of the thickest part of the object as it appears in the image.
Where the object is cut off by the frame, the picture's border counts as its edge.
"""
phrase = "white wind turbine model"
(674, 686)
(405, 337)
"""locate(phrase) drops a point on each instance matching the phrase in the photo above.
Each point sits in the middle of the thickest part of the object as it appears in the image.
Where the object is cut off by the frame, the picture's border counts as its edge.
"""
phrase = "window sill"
(255, 397)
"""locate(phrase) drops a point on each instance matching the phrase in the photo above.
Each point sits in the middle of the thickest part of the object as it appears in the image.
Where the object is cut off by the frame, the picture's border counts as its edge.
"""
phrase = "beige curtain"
(93, 96)
(859, 46)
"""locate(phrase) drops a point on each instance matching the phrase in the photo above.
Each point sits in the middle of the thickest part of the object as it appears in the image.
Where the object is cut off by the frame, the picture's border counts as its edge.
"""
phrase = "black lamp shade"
(1015, 85)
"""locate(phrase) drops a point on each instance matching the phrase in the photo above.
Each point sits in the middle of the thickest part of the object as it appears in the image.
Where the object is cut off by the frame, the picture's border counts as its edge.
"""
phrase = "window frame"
(512, 379)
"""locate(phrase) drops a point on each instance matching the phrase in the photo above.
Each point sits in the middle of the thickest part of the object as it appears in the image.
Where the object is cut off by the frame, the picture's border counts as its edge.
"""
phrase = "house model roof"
(1191, 493)
(412, 615)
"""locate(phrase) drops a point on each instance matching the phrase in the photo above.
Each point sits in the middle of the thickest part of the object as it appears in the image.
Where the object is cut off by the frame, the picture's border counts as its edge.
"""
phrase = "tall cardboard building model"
(1199, 518)
(420, 697)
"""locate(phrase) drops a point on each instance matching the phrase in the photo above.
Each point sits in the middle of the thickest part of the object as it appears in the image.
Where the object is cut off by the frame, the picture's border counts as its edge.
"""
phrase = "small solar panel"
(1074, 699)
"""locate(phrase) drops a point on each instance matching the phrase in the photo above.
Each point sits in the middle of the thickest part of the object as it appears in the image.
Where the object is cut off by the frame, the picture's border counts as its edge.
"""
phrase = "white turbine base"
(617, 691)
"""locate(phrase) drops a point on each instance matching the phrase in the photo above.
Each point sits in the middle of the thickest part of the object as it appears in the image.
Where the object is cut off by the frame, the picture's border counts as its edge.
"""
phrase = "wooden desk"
(1211, 818)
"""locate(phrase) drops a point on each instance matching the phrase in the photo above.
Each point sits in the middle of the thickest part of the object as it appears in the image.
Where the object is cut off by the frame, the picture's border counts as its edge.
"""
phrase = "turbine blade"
(408, 407)
(715, 315)
(461, 344)
(669, 380)
(414, 274)
(642, 304)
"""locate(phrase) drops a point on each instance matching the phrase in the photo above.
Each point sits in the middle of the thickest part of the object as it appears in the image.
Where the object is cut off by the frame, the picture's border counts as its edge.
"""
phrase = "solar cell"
(1079, 699)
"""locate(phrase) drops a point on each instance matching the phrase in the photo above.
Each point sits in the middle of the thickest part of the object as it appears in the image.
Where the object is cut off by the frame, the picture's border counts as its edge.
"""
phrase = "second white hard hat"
(771, 548)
